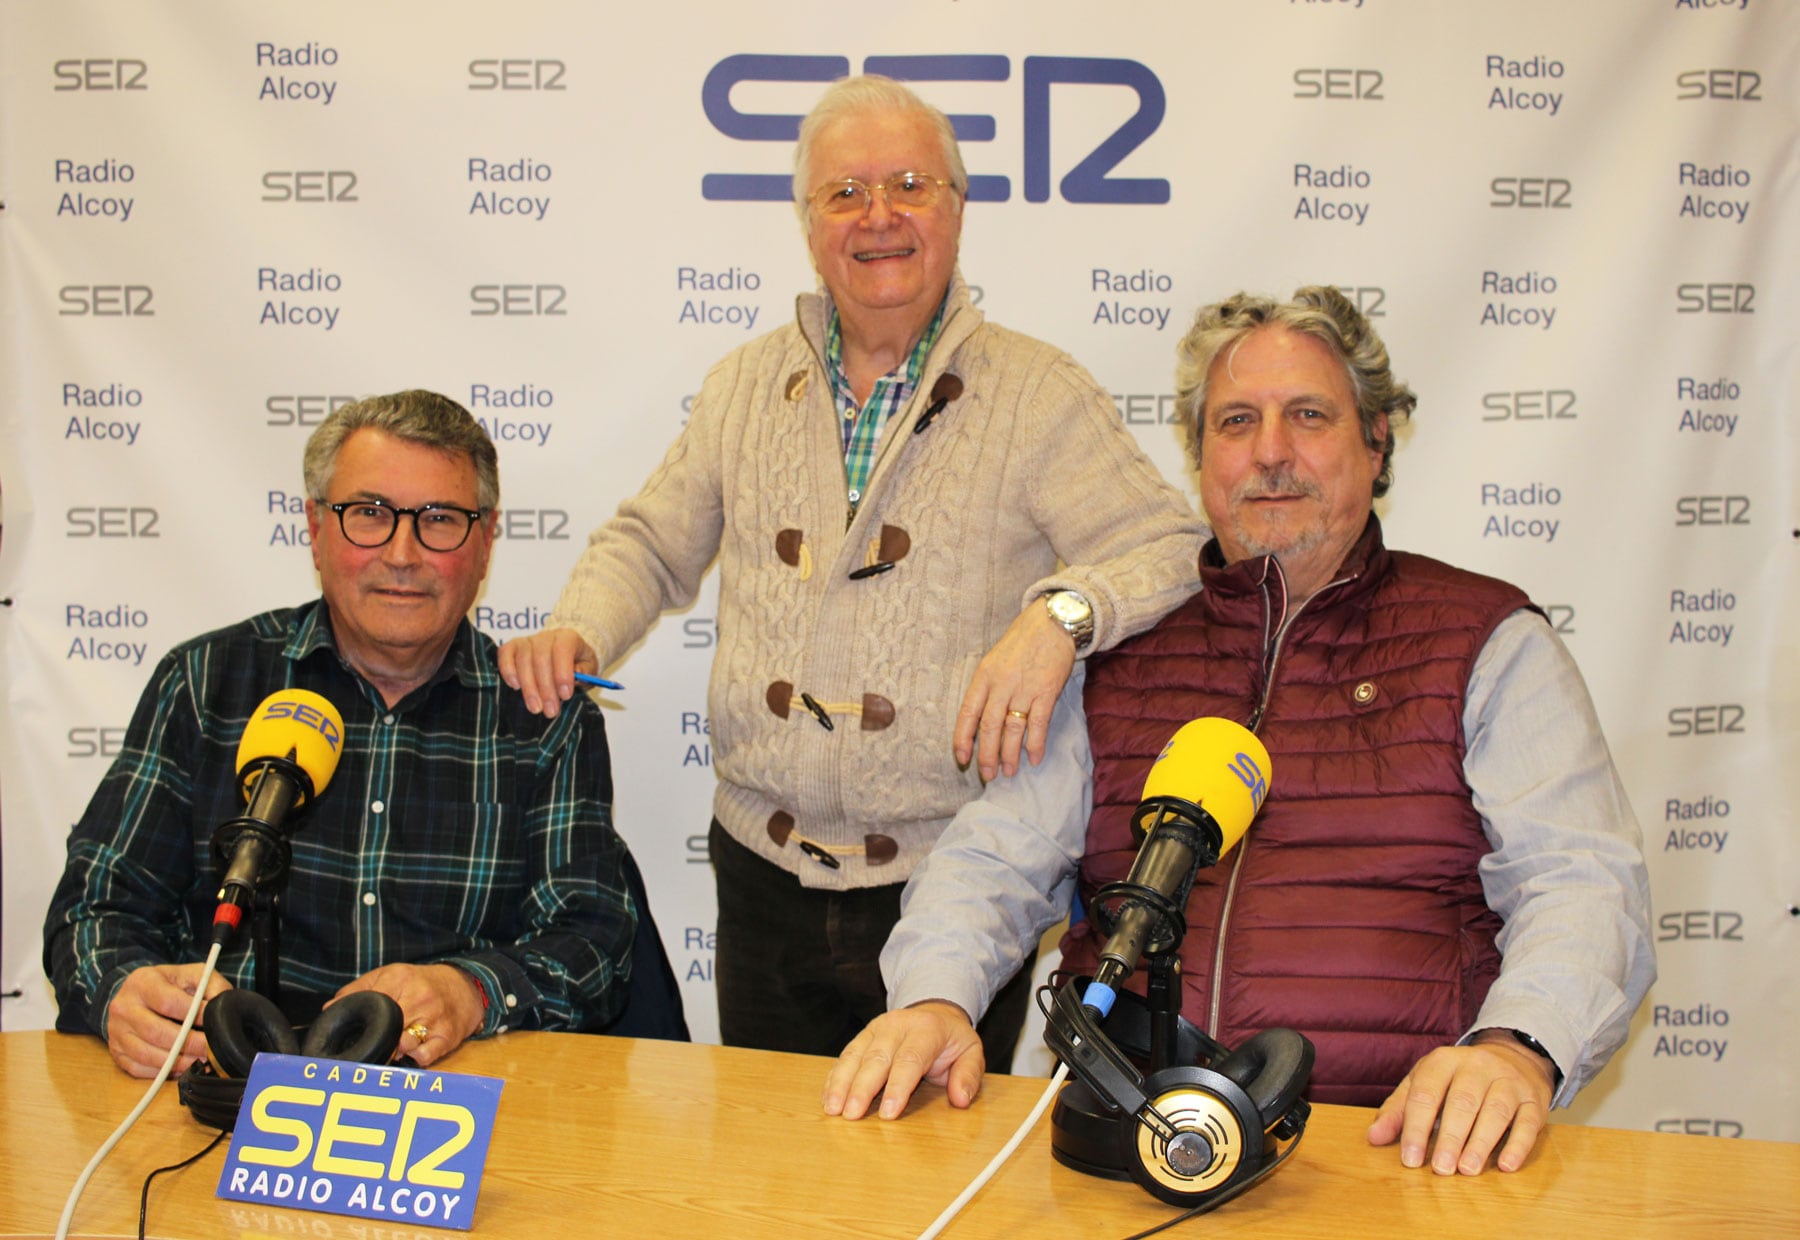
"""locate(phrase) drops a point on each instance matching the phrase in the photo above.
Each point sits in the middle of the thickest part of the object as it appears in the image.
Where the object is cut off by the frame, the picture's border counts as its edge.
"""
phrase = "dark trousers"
(798, 969)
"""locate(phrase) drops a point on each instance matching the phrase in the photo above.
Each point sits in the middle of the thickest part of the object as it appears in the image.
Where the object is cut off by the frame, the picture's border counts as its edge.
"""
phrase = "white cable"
(87, 1172)
(1006, 1151)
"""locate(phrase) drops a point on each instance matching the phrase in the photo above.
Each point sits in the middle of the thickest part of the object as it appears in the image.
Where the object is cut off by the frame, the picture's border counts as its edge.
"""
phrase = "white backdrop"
(1578, 226)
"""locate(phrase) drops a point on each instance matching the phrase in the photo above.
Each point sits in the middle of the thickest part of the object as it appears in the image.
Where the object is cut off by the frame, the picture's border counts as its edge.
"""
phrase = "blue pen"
(602, 681)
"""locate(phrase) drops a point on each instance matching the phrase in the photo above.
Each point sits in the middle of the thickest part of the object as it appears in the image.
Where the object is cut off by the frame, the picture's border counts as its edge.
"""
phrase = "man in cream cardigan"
(891, 486)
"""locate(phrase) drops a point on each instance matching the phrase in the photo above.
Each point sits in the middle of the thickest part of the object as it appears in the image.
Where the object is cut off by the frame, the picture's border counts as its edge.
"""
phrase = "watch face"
(1069, 607)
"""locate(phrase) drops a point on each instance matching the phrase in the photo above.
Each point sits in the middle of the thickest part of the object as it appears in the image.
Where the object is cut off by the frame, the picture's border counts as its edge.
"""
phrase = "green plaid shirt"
(861, 428)
(458, 828)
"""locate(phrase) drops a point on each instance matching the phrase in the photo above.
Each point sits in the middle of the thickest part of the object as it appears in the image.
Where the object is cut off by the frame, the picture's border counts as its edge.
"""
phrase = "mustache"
(415, 585)
(1282, 483)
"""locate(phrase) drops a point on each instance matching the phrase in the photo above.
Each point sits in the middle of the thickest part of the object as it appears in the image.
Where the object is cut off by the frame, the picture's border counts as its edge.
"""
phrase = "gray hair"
(416, 416)
(1326, 315)
(871, 92)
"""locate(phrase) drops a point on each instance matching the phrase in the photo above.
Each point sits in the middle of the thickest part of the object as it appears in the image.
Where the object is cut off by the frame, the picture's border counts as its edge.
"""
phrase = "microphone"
(288, 754)
(1202, 792)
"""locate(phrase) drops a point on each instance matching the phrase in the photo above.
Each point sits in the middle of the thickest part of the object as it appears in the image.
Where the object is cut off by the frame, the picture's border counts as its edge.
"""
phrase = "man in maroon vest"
(1445, 889)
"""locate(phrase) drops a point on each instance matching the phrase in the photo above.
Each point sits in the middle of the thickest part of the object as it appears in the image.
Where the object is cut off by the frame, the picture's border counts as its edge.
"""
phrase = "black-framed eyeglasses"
(437, 527)
(903, 192)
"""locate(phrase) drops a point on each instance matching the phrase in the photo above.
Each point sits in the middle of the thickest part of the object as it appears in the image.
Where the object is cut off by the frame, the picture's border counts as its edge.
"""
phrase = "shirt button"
(855, 495)
(369, 898)
(512, 1001)
(388, 719)
(377, 807)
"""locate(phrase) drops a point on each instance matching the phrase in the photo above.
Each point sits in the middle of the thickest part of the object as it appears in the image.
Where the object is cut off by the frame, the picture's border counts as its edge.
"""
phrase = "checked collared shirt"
(861, 428)
(458, 828)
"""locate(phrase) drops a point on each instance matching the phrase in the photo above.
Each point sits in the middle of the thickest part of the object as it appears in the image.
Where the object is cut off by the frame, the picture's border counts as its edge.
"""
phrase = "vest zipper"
(1271, 661)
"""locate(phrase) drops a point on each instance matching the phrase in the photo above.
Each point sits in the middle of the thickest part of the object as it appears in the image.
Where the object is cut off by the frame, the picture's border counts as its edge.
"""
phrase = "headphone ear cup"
(1273, 1067)
(363, 1027)
(1218, 1142)
(210, 1098)
(239, 1025)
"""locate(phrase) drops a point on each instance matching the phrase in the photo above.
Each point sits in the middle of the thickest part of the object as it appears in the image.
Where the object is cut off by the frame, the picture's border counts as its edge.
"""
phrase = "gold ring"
(1020, 715)
(418, 1031)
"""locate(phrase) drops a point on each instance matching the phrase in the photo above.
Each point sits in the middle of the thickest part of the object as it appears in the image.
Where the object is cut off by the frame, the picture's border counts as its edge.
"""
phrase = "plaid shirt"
(458, 828)
(861, 428)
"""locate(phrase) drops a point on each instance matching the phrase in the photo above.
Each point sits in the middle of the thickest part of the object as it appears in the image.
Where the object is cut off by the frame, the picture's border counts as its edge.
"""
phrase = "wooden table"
(603, 1136)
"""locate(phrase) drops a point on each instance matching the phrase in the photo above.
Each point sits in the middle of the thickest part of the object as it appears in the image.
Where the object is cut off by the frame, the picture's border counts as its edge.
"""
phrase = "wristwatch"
(1536, 1047)
(1072, 612)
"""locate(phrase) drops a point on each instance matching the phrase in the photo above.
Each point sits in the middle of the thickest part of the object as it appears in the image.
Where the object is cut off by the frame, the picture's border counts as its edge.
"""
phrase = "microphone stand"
(1096, 1112)
(1162, 996)
(265, 944)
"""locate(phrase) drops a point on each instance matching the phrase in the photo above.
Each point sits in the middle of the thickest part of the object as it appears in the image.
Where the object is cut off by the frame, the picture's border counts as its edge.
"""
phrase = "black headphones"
(1191, 1135)
(240, 1024)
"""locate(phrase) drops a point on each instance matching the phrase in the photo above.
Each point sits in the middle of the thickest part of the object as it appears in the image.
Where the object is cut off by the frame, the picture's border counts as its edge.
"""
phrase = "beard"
(1281, 537)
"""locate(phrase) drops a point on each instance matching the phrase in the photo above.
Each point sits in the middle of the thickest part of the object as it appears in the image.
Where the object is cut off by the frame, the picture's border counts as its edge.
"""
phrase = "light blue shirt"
(1566, 874)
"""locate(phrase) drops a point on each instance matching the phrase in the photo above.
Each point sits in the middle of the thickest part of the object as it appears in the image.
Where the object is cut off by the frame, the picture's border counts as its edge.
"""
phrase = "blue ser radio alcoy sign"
(393, 1143)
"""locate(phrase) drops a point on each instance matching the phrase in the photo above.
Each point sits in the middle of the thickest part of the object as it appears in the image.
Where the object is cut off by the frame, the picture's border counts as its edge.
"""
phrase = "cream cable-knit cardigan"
(1030, 465)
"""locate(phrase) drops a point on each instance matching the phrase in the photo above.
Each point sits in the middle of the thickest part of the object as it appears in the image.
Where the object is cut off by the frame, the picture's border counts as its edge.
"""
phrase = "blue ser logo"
(1087, 181)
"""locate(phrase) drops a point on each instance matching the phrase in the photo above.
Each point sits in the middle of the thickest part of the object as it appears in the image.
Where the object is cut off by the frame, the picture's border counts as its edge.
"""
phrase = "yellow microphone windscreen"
(1220, 766)
(295, 723)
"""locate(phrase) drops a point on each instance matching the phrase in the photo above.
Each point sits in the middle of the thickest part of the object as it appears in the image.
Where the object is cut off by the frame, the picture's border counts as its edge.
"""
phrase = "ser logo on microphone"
(306, 714)
(1247, 771)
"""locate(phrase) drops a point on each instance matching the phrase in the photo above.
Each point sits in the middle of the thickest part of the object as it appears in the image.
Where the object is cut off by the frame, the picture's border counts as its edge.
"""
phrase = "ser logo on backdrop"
(1089, 180)
(124, 73)
(1716, 297)
(1709, 720)
(699, 633)
(107, 301)
(1699, 1127)
(113, 521)
(533, 524)
(307, 410)
(1543, 193)
(1561, 617)
(311, 185)
(517, 73)
(1732, 85)
(518, 300)
(96, 741)
(1712, 510)
(1700, 925)
(1338, 84)
(1529, 405)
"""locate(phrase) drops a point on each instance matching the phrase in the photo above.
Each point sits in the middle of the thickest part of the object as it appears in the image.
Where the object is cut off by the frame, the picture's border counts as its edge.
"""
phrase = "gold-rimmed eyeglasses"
(904, 191)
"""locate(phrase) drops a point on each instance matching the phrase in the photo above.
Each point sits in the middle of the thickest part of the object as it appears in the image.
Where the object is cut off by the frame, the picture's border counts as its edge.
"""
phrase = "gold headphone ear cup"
(1217, 1141)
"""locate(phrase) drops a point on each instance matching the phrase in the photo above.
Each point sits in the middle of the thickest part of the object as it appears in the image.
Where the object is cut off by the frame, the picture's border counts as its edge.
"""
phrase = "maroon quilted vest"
(1351, 910)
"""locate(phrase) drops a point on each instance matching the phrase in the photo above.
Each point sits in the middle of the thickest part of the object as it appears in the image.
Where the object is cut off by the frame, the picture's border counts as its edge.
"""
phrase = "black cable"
(1213, 1203)
(144, 1197)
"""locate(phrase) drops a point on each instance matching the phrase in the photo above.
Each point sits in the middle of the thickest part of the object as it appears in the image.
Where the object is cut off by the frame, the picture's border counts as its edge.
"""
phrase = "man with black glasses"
(462, 859)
